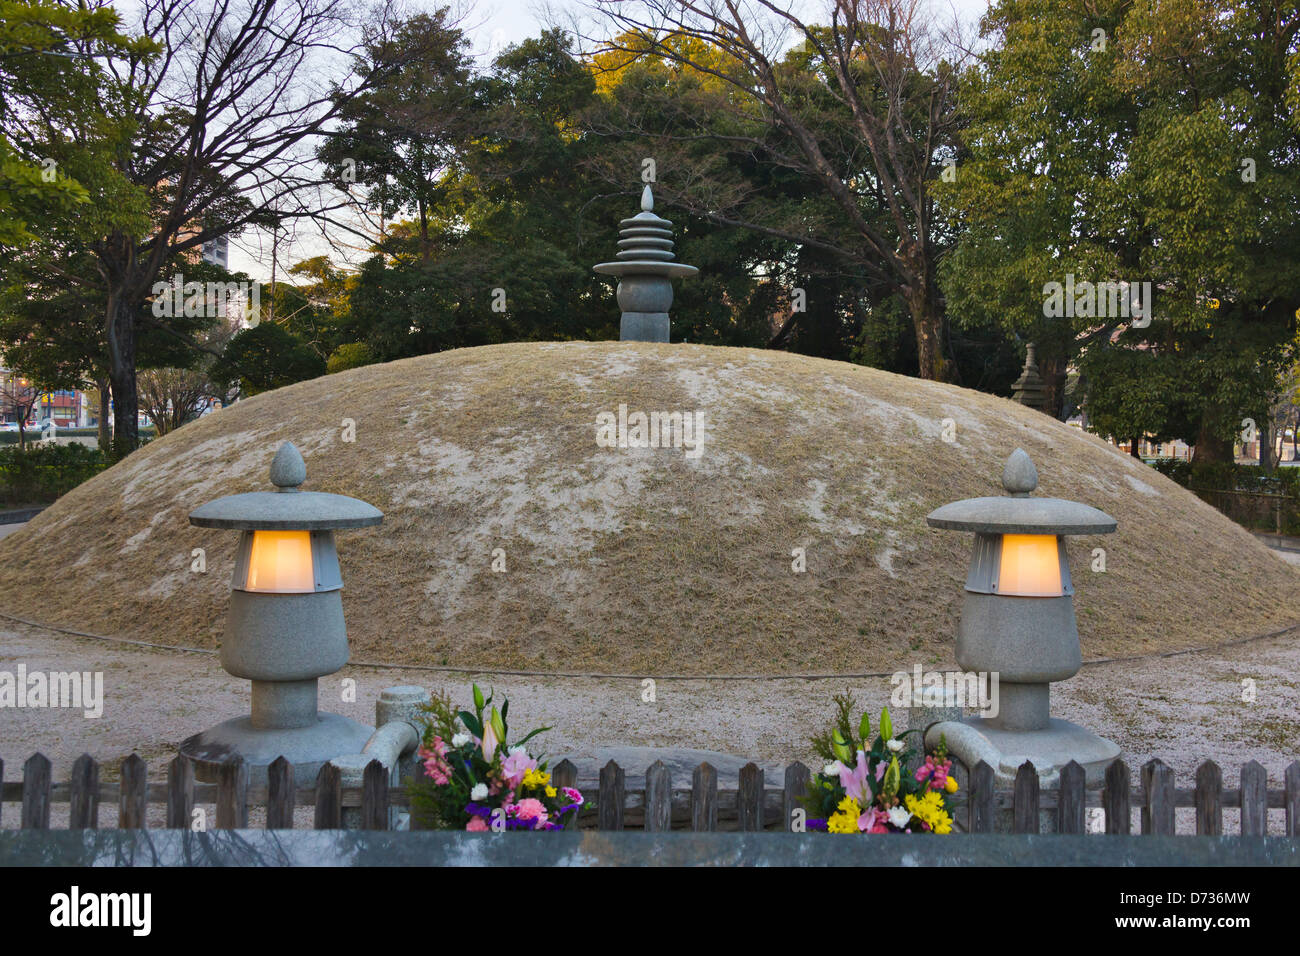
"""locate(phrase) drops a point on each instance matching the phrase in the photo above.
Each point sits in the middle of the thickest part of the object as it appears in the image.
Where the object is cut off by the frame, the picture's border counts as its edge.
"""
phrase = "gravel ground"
(1184, 709)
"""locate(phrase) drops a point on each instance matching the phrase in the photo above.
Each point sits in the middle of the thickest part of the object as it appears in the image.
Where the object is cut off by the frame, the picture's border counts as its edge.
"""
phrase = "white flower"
(832, 769)
(460, 740)
(479, 792)
(899, 816)
(894, 744)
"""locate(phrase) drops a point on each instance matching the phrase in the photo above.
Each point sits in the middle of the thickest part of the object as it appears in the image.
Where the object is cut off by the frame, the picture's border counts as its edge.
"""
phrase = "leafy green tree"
(189, 140)
(398, 141)
(264, 357)
(832, 143)
(1110, 144)
(36, 38)
(349, 355)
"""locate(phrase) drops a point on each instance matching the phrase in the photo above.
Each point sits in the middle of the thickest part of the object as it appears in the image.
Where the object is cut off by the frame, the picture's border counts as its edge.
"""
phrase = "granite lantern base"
(307, 747)
(1048, 748)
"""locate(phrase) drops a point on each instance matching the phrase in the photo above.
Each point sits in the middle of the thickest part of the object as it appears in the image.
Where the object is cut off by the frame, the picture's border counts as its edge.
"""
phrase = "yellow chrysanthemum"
(842, 823)
(535, 778)
(550, 791)
(845, 819)
(929, 810)
(950, 785)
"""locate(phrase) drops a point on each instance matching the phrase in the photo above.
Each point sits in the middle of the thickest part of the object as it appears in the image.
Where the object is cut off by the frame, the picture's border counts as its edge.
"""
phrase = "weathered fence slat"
(374, 796)
(133, 801)
(797, 778)
(565, 774)
(1158, 807)
(232, 795)
(1209, 799)
(1025, 812)
(83, 812)
(329, 798)
(749, 801)
(1254, 800)
(1291, 798)
(180, 793)
(279, 794)
(981, 798)
(704, 798)
(658, 798)
(36, 793)
(612, 794)
(1069, 812)
(1115, 799)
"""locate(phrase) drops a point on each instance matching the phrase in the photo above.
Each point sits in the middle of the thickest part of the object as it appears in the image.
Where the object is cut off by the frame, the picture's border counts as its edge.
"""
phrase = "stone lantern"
(1028, 389)
(1017, 621)
(284, 628)
(645, 272)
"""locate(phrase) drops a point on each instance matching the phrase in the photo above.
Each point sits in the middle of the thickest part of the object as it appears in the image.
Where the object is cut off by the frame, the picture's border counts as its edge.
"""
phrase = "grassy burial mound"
(638, 560)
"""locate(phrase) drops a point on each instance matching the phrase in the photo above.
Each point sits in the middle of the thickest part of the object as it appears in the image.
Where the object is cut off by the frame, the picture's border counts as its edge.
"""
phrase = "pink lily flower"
(854, 781)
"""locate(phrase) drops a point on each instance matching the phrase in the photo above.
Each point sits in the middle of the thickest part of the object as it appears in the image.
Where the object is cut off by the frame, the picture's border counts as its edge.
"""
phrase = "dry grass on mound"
(639, 560)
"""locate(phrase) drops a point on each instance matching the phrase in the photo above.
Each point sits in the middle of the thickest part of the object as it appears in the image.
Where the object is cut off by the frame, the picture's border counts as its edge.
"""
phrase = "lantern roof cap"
(1018, 512)
(286, 508)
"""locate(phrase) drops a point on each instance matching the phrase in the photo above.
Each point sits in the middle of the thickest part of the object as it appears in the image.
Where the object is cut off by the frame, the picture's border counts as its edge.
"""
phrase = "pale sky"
(492, 25)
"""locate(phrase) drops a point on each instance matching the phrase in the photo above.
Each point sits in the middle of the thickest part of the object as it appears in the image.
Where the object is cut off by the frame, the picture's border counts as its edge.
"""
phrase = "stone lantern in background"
(1018, 621)
(1029, 389)
(645, 272)
(284, 628)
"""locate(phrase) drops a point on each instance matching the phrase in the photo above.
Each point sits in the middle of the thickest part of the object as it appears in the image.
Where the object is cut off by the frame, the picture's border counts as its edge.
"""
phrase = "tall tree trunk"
(1134, 448)
(121, 374)
(1210, 448)
(105, 409)
(1266, 446)
(425, 251)
(1051, 370)
(928, 321)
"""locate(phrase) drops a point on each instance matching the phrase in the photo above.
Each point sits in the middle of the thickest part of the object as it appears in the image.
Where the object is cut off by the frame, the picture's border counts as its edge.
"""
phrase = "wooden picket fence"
(657, 806)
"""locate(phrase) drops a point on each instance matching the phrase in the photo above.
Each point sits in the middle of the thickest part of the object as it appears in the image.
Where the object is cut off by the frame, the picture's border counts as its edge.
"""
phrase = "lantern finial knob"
(1019, 476)
(288, 470)
(647, 199)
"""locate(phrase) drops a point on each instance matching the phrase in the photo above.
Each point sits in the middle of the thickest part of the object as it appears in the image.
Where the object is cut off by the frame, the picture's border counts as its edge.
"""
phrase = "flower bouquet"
(865, 786)
(474, 779)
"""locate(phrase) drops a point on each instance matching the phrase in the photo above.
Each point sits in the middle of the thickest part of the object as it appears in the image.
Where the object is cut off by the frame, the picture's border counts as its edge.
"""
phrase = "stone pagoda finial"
(645, 268)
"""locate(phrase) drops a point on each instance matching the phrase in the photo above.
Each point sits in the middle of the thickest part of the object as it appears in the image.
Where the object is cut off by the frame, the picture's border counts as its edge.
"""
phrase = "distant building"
(217, 252)
(67, 408)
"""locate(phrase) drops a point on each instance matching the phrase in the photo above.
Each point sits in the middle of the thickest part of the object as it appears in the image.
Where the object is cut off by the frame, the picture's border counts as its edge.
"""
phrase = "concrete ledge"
(593, 848)
(20, 515)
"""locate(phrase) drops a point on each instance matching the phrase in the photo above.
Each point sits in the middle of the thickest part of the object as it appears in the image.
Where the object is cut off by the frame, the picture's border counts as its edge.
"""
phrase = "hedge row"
(33, 435)
(1227, 476)
(41, 473)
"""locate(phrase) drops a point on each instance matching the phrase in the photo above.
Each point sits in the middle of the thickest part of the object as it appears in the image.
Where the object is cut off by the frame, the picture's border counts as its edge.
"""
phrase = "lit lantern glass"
(1030, 566)
(281, 562)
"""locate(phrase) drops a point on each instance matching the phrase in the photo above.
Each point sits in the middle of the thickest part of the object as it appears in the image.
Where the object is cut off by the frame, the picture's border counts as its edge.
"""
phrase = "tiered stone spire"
(1028, 389)
(645, 267)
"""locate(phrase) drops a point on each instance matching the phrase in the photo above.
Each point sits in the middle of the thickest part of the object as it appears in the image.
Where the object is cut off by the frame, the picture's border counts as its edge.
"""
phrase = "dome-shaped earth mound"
(639, 560)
